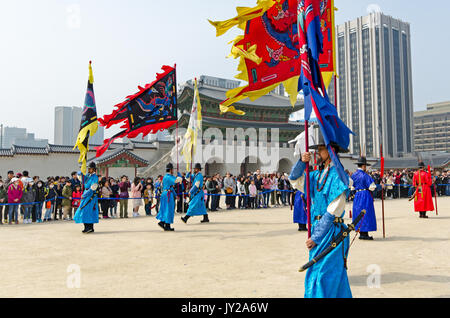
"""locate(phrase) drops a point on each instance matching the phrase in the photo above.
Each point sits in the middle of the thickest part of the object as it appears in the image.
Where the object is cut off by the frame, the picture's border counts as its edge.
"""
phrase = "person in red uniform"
(423, 200)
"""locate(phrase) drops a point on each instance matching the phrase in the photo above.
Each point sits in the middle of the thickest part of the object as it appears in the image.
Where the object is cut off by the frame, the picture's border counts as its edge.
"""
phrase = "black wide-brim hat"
(338, 148)
(421, 164)
(92, 165)
(362, 161)
(169, 167)
(321, 142)
(198, 166)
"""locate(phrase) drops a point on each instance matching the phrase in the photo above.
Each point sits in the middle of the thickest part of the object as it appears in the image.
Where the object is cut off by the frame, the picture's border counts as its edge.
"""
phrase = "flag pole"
(435, 192)
(382, 190)
(308, 185)
(177, 145)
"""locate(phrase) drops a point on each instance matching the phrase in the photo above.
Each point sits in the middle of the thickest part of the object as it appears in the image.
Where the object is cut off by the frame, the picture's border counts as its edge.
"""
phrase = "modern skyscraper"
(19, 137)
(374, 87)
(67, 127)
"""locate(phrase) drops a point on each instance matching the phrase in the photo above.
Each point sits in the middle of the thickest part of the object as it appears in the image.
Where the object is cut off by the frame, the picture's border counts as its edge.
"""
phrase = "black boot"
(425, 216)
(365, 236)
(205, 219)
(302, 227)
(85, 228)
(185, 219)
(90, 229)
(162, 225)
(168, 228)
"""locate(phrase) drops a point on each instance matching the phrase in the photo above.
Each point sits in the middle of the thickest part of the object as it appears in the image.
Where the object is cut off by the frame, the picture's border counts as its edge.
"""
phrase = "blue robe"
(197, 204)
(167, 202)
(88, 212)
(364, 201)
(328, 277)
(300, 215)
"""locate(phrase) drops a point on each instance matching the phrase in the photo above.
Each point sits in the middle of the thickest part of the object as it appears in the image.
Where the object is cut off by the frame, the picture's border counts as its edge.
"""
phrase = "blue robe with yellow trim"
(328, 277)
(167, 202)
(88, 212)
(197, 204)
(364, 201)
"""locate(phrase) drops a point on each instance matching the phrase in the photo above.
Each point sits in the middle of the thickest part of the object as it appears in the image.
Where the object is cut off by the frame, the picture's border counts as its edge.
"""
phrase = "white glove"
(178, 180)
(350, 184)
(94, 187)
(197, 184)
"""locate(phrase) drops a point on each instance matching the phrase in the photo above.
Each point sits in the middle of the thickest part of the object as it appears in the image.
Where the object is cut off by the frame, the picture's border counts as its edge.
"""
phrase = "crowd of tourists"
(399, 183)
(31, 199)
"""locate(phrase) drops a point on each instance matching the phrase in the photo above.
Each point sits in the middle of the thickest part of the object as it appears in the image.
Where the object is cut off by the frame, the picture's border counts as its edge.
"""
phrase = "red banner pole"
(382, 189)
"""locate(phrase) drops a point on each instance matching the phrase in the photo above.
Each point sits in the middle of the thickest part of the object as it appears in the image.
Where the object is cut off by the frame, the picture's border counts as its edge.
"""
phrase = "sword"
(336, 242)
(413, 196)
(95, 194)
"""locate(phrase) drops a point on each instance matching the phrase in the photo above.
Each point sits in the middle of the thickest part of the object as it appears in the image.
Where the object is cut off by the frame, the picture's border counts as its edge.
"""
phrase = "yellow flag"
(89, 123)
(193, 130)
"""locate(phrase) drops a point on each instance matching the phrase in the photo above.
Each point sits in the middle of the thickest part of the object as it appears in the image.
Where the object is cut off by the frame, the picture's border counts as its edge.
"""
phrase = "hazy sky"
(46, 46)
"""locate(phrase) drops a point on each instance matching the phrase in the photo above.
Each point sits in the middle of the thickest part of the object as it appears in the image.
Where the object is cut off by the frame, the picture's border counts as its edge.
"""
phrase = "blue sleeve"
(193, 191)
(171, 180)
(322, 228)
(297, 170)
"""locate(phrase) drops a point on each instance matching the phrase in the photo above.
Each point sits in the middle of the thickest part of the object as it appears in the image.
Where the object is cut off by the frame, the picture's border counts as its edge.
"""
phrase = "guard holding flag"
(328, 277)
(167, 202)
(197, 204)
(88, 212)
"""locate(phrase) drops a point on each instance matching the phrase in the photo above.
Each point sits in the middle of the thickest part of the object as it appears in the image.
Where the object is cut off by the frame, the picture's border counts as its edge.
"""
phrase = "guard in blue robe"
(328, 277)
(300, 216)
(88, 211)
(364, 185)
(166, 212)
(197, 204)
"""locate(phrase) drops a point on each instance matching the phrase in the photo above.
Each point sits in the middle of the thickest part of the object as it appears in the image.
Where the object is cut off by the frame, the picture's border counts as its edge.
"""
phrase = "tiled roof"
(232, 123)
(269, 100)
(20, 150)
(111, 154)
(67, 149)
(6, 153)
(144, 145)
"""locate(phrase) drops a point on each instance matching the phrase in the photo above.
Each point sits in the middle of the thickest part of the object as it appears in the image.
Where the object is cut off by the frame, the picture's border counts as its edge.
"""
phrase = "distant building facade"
(432, 128)
(67, 127)
(18, 136)
(59, 160)
(374, 87)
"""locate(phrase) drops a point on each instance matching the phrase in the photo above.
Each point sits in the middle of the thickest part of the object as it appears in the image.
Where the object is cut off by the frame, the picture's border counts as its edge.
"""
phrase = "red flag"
(152, 109)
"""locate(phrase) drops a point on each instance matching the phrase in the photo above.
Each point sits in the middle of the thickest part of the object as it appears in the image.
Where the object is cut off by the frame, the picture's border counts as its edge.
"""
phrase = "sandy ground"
(240, 254)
